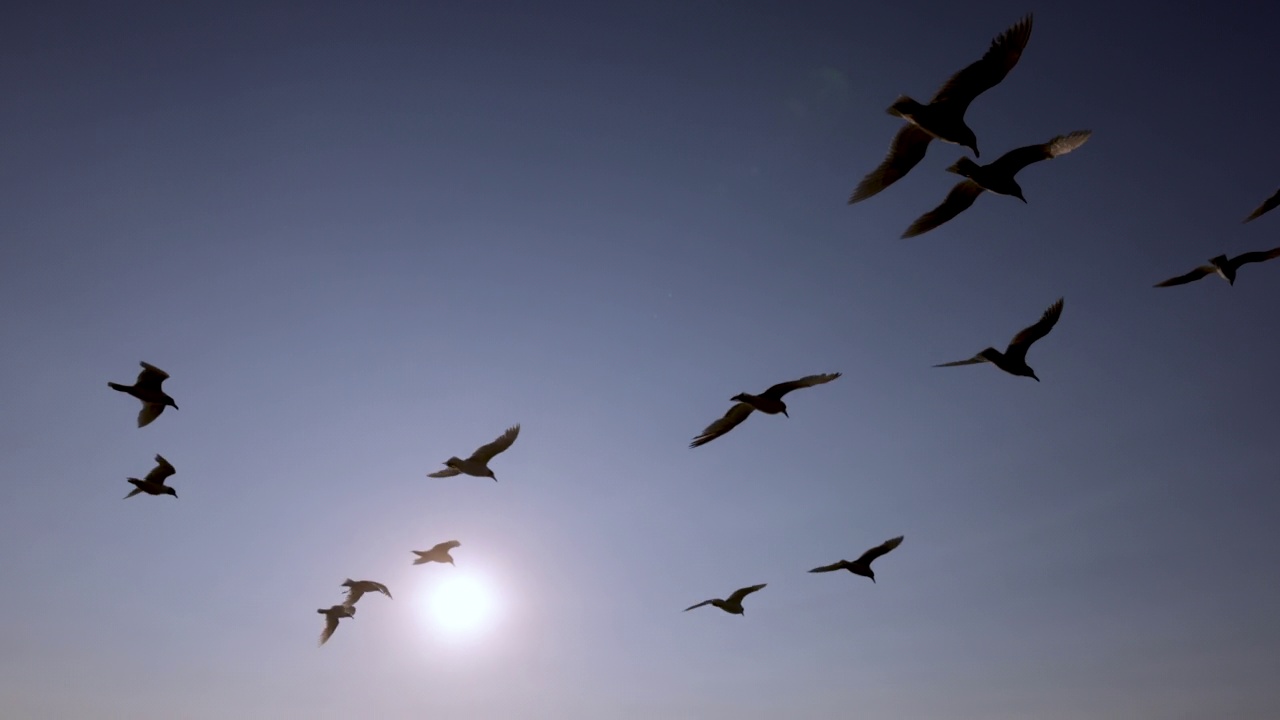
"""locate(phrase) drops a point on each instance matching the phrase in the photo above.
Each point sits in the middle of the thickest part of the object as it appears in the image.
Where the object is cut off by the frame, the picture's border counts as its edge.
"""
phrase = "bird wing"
(446, 472)
(738, 595)
(330, 624)
(958, 200)
(354, 594)
(485, 453)
(777, 391)
(971, 361)
(1014, 160)
(1253, 257)
(1021, 342)
(1189, 277)
(149, 412)
(731, 419)
(907, 150)
(704, 602)
(161, 471)
(832, 567)
(444, 546)
(381, 588)
(986, 73)
(151, 377)
(1267, 205)
(880, 549)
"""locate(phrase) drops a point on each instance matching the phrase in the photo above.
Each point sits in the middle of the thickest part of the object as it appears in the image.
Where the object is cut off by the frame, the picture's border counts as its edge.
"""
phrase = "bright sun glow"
(461, 604)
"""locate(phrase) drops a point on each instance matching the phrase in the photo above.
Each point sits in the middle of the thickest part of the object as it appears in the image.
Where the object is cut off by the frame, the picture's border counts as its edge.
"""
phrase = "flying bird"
(357, 589)
(1014, 359)
(1224, 268)
(1267, 205)
(943, 117)
(769, 402)
(862, 566)
(439, 553)
(147, 389)
(331, 618)
(996, 177)
(478, 464)
(153, 483)
(734, 604)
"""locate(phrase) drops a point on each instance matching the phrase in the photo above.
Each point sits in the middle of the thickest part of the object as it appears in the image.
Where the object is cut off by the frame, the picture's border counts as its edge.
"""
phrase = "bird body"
(331, 618)
(733, 605)
(862, 566)
(147, 388)
(1014, 359)
(478, 464)
(153, 483)
(357, 589)
(769, 402)
(1223, 267)
(439, 553)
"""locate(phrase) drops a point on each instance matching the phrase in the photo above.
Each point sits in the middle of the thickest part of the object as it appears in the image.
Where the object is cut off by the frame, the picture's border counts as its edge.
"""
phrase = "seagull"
(996, 177)
(862, 566)
(1224, 268)
(734, 604)
(943, 117)
(153, 484)
(331, 618)
(147, 389)
(359, 587)
(769, 402)
(1014, 359)
(478, 464)
(1267, 205)
(439, 553)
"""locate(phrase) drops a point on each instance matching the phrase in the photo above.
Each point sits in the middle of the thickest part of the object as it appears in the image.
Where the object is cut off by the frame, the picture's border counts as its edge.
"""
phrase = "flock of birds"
(942, 118)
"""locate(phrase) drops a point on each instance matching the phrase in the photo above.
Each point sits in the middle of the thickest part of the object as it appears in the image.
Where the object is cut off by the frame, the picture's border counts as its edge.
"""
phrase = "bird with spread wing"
(1014, 359)
(733, 605)
(147, 389)
(769, 402)
(478, 464)
(862, 566)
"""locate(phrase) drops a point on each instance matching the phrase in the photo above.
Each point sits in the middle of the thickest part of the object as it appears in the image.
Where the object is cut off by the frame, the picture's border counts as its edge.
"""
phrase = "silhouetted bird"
(331, 618)
(734, 604)
(1014, 359)
(996, 177)
(147, 389)
(153, 483)
(1224, 268)
(943, 117)
(439, 553)
(862, 566)
(1267, 206)
(359, 587)
(478, 464)
(769, 402)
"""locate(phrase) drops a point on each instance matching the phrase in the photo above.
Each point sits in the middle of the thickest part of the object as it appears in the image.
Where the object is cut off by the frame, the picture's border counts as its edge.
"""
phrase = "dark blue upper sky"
(363, 237)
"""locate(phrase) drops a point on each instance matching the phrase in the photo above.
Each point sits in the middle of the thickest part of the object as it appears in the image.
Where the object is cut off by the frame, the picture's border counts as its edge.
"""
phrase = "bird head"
(169, 401)
(493, 475)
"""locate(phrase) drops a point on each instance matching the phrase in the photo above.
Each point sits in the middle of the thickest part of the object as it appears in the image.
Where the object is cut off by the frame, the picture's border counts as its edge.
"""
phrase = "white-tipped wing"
(1014, 160)
(731, 419)
(485, 453)
(150, 411)
(161, 471)
(447, 472)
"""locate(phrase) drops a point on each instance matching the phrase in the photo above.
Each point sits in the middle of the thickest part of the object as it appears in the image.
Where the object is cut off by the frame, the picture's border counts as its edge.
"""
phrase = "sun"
(461, 604)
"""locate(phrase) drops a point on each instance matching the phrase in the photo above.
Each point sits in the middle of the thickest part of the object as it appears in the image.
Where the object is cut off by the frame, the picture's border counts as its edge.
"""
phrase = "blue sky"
(365, 237)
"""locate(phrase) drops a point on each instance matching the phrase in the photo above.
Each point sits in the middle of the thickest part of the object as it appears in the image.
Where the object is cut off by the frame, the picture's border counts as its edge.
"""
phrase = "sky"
(364, 237)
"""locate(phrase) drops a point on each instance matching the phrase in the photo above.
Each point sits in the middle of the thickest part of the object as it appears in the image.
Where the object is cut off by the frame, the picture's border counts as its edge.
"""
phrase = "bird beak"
(784, 412)
(873, 579)
(975, 152)
(1024, 200)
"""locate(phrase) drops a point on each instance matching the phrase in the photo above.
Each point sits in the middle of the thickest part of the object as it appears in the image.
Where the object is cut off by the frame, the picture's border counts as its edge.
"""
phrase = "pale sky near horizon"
(363, 237)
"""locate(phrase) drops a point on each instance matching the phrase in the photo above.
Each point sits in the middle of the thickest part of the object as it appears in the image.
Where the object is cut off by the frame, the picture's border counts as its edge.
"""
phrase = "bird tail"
(903, 106)
(964, 166)
(118, 386)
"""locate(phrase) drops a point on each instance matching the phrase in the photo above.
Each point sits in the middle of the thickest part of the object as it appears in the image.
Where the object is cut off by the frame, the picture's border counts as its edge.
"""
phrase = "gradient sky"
(363, 237)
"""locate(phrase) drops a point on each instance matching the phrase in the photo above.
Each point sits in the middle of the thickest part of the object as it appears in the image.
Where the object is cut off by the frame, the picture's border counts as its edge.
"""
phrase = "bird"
(1267, 205)
(769, 402)
(1014, 359)
(1224, 268)
(357, 589)
(478, 464)
(734, 604)
(331, 618)
(862, 566)
(153, 483)
(147, 389)
(996, 177)
(439, 553)
(943, 117)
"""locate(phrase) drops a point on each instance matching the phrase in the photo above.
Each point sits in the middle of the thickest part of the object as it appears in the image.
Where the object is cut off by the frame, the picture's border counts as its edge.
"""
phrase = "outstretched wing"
(704, 602)
(354, 594)
(447, 472)
(907, 150)
(731, 419)
(1192, 276)
(958, 200)
(986, 73)
(330, 624)
(777, 391)
(161, 471)
(380, 588)
(443, 547)
(971, 361)
(843, 564)
(1014, 160)
(1253, 257)
(738, 595)
(151, 377)
(1021, 342)
(879, 550)
(150, 411)
(485, 453)
(1267, 205)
